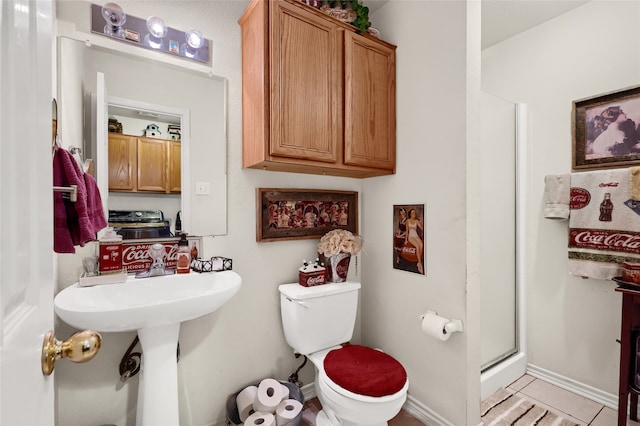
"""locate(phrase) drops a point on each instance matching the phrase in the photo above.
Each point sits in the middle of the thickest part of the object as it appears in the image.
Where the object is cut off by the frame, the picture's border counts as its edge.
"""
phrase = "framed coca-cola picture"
(288, 214)
(408, 238)
(606, 130)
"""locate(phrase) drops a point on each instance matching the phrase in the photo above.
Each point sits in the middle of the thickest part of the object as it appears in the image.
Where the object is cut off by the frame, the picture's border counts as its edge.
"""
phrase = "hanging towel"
(604, 225)
(556, 196)
(634, 176)
(74, 222)
(95, 212)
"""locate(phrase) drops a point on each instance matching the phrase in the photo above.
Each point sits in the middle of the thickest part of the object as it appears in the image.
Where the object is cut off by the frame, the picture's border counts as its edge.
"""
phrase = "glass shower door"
(498, 231)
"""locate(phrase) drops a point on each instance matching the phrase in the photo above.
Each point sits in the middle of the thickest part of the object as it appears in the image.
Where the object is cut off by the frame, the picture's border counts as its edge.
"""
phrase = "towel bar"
(72, 190)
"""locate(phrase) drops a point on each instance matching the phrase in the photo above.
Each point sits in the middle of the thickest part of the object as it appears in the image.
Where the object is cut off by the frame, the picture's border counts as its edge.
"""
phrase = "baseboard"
(597, 395)
(423, 413)
(309, 391)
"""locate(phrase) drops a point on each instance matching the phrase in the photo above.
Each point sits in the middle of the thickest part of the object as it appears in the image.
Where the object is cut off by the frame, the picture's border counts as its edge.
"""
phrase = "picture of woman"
(611, 130)
(413, 223)
(408, 238)
(401, 235)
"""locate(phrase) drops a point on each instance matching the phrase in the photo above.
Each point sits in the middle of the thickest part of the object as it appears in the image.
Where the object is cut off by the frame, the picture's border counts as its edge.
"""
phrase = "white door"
(26, 211)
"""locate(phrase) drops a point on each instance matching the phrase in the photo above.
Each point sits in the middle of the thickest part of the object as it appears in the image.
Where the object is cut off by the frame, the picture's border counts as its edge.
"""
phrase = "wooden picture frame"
(605, 130)
(291, 214)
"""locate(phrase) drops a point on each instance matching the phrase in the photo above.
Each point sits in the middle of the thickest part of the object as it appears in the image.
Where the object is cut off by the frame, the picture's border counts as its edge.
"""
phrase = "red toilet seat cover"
(365, 371)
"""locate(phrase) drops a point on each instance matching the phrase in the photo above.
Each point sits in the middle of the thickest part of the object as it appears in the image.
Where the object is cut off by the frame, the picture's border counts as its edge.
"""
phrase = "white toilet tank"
(318, 317)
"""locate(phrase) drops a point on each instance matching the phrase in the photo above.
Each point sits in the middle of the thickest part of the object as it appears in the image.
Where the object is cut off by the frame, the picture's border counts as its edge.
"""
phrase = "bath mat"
(505, 408)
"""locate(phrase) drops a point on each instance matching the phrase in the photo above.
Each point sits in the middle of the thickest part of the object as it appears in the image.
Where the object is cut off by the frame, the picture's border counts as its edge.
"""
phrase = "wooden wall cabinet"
(138, 164)
(316, 97)
(123, 167)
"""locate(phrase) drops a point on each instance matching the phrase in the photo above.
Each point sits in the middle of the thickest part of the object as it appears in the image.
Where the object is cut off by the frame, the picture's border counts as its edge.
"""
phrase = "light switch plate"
(203, 188)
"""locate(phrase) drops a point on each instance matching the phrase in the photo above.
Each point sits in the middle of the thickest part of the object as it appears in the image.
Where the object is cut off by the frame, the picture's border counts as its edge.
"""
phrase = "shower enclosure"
(502, 265)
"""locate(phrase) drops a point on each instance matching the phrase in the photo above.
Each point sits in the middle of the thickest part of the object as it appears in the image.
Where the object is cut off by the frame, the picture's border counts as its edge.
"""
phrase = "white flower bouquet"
(339, 241)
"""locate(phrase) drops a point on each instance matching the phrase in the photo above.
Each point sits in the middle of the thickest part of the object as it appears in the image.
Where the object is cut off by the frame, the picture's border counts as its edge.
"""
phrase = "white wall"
(573, 322)
(434, 85)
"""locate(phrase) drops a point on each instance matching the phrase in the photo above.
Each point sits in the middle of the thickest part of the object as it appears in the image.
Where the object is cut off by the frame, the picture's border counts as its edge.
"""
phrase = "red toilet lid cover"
(365, 371)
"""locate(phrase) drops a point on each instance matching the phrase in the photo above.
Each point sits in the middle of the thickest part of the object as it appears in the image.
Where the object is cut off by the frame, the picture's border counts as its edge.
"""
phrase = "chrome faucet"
(158, 267)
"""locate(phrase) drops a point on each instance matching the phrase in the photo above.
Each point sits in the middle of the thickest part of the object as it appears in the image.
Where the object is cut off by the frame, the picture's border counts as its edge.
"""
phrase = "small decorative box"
(216, 263)
(310, 275)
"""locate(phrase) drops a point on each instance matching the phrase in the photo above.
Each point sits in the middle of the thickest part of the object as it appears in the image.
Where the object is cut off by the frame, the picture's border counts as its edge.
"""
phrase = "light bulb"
(195, 39)
(115, 18)
(157, 30)
(156, 27)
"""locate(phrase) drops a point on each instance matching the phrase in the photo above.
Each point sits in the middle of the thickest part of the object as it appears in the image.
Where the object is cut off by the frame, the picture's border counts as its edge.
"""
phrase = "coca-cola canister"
(631, 272)
(310, 279)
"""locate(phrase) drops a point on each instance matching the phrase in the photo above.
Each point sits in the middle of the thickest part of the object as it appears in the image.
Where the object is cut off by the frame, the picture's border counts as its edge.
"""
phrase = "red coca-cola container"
(631, 272)
(310, 279)
(110, 247)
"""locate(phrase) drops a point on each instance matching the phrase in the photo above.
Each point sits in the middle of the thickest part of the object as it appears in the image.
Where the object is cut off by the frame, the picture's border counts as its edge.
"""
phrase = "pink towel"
(95, 212)
(75, 223)
(62, 242)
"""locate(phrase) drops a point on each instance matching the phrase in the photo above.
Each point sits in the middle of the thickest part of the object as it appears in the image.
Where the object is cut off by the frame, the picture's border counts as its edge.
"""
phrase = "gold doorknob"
(80, 347)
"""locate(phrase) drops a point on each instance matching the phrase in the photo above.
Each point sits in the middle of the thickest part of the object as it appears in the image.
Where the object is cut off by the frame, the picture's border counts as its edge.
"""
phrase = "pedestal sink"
(154, 307)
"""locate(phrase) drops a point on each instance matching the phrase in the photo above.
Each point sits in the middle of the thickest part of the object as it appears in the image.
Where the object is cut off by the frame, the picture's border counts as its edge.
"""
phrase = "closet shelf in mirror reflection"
(71, 189)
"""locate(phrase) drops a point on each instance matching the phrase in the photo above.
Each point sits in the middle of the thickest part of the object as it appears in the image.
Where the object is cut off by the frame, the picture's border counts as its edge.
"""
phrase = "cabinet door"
(305, 83)
(175, 149)
(122, 162)
(370, 103)
(152, 165)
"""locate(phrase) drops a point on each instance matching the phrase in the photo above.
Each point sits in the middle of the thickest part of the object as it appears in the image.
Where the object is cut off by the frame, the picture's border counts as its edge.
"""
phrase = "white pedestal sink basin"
(154, 307)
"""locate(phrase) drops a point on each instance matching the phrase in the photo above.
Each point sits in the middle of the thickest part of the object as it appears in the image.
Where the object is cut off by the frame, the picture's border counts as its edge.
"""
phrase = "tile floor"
(573, 407)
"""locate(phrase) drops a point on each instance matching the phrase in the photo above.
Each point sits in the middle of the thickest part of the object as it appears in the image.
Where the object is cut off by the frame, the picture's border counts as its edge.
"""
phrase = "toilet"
(356, 385)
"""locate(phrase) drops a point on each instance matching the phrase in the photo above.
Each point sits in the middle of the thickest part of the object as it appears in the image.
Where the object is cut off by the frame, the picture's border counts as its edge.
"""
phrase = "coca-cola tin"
(309, 279)
(631, 272)
(135, 256)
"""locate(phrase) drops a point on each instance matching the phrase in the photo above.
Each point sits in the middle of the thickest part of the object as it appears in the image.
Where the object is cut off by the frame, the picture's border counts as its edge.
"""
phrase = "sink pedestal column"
(158, 387)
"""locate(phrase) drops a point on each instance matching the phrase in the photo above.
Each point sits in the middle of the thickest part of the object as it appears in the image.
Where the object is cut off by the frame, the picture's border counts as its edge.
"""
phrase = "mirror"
(141, 91)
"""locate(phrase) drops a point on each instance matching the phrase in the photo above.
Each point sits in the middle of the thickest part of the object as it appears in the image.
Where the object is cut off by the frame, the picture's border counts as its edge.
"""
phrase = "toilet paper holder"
(451, 326)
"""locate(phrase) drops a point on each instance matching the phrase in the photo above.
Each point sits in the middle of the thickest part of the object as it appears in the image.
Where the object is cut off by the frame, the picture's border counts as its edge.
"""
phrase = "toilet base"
(322, 419)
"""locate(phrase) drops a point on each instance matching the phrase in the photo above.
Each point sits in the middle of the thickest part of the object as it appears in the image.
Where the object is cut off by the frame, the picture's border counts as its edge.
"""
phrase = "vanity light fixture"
(151, 33)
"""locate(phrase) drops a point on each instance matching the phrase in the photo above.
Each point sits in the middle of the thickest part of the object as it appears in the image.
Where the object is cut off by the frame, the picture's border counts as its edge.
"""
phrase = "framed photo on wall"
(288, 214)
(408, 238)
(606, 131)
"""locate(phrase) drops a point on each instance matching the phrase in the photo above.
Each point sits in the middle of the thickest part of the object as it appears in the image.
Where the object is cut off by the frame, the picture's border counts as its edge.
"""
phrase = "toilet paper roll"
(433, 325)
(260, 418)
(287, 411)
(245, 400)
(269, 395)
(285, 392)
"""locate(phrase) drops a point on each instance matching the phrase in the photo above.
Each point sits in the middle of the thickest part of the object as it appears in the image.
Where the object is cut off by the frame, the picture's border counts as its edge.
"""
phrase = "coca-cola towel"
(604, 225)
(556, 196)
